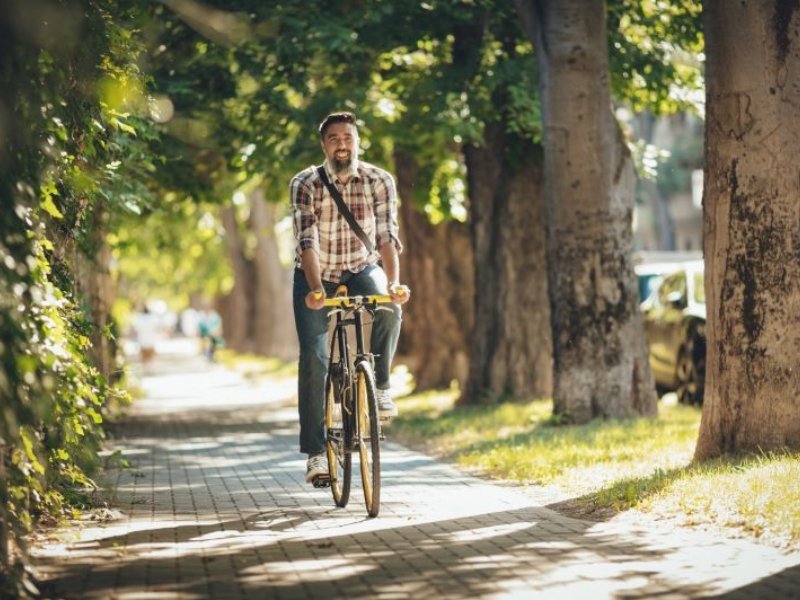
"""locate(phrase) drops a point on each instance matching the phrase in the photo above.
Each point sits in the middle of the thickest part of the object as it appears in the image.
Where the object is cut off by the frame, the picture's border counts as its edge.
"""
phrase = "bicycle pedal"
(321, 481)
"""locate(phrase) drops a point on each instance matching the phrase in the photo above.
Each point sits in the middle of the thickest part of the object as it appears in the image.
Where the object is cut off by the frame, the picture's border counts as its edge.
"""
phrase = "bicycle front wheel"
(338, 435)
(368, 437)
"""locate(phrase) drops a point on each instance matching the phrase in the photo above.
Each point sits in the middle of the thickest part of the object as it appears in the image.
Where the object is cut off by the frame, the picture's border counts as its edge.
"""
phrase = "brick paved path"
(216, 506)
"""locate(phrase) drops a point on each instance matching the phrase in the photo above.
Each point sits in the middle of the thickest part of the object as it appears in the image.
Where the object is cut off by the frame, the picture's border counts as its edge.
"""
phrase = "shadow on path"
(215, 506)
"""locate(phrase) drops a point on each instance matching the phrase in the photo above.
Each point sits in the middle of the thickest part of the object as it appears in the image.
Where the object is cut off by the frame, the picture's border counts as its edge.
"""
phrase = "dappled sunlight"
(216, 500)
(490, 559)
(329, 569)
(195, 445)
(550, 545)
(274, 551)
(438, 528)
(520, 442)
(483, 533)
(587, 478)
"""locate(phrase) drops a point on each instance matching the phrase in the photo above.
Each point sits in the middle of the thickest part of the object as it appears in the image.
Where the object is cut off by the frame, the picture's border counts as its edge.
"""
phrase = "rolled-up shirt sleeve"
(304, 218)
(386, 227)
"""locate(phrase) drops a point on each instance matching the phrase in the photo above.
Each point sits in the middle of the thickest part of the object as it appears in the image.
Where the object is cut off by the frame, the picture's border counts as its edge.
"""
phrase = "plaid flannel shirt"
(371, 197)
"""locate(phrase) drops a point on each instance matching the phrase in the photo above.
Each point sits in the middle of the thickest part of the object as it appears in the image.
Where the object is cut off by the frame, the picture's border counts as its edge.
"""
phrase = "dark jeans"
(312, 333)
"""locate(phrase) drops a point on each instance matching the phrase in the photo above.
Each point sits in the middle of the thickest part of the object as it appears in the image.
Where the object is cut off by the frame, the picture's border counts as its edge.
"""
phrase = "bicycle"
(351, 410)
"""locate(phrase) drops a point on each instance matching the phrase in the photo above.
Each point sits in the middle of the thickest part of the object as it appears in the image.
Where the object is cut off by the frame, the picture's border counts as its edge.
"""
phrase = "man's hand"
(315, 299)
(399, 293)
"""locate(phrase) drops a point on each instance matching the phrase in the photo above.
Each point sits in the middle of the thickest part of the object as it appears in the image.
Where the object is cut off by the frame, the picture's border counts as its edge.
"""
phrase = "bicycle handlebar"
(354, 301)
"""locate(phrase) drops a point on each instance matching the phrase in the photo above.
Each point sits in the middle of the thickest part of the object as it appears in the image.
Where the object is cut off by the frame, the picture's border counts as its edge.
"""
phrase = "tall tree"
(751, 205)
(273, 326)
(413, 96)
(600, 359)
(236, 308)
(511, 350)
(438, 266)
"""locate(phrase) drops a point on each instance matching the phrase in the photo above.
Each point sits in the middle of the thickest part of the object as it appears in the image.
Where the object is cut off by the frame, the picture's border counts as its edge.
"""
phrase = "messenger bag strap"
(348, 216)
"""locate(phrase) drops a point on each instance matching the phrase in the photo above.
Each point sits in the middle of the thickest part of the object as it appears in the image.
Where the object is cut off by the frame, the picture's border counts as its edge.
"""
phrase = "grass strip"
(611, 466)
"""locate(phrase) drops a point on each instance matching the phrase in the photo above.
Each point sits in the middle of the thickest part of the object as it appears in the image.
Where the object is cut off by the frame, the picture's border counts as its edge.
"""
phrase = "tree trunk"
(273, 323)
(235, 307)
(437, 265)
(752, 228)
(510, 354)
(600, 358)
(5, 532)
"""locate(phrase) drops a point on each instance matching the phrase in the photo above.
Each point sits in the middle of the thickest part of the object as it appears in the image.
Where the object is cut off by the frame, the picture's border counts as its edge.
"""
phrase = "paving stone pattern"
(215, 506)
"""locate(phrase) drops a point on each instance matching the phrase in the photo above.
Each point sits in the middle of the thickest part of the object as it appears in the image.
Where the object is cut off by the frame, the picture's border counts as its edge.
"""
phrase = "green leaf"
(27, 443)
(127, 128)
(48, 191)
(94, 415)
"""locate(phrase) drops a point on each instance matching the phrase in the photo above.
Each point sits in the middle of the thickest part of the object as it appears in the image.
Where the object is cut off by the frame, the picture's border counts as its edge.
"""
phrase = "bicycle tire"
(338, 441)
(368, 437)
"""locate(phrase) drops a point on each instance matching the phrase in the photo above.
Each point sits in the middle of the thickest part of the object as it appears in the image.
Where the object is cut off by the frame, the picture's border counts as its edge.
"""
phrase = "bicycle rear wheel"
(338, 435)
(368, 437)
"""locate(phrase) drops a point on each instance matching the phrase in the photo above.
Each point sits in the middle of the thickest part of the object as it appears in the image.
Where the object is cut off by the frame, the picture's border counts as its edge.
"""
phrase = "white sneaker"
(386, 406)
(316, 467)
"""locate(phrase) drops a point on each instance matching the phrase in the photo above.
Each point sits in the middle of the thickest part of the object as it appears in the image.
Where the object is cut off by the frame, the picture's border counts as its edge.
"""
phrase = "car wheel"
(690, 372)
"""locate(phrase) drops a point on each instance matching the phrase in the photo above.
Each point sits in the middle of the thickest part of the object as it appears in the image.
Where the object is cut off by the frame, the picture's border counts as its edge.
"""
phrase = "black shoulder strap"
(348, 216)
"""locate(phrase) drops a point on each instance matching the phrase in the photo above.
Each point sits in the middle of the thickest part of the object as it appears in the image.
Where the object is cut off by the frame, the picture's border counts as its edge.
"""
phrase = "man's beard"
(340, 165)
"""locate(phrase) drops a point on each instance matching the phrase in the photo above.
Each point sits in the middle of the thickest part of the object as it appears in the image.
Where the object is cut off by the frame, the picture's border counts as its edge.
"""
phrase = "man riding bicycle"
(334, 248)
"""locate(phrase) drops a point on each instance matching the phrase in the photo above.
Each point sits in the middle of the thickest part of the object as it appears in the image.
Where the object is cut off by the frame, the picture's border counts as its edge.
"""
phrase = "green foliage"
(76, 151)
(655, 52)
(176, 251)
(54, 400)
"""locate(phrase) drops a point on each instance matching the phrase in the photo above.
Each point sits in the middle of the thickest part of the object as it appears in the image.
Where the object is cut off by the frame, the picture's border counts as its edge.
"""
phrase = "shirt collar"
(353, 171)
